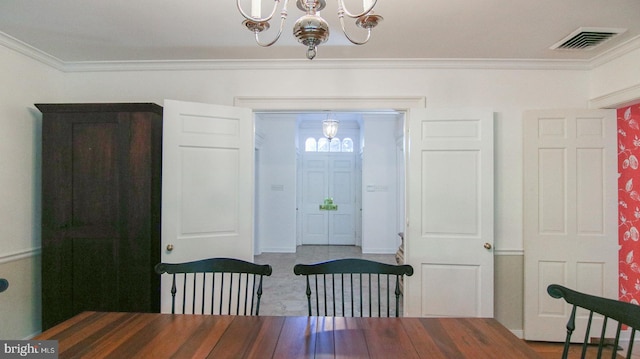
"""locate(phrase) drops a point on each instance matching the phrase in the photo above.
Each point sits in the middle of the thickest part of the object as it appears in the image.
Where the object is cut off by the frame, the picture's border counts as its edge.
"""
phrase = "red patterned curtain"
(629, 202)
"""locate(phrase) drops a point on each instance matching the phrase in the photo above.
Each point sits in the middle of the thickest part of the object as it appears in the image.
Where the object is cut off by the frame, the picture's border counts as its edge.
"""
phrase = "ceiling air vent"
(586, 38)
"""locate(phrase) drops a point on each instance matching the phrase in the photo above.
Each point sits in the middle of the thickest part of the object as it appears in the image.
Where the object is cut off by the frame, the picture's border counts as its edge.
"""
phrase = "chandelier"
(330, 128)
(310, 29)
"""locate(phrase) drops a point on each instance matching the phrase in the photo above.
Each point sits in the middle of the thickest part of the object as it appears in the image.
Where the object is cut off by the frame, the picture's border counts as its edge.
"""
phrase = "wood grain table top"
(153, 335)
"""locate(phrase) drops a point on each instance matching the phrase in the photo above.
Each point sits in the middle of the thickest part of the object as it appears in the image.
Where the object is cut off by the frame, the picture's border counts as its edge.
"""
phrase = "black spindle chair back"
(353, 287)
(625, 314)
(215, 286)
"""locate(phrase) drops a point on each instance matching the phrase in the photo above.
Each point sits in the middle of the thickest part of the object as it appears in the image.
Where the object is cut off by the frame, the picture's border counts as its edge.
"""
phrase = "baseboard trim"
(31, 336)
(278, 250)
(379, 250)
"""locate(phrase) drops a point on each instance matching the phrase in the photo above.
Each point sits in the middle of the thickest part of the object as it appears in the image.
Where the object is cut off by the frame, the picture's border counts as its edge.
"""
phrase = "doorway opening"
(365, 182)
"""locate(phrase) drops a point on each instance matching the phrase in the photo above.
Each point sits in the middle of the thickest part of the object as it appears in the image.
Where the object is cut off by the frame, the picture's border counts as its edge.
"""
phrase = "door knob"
(487, 245)
(169, 247)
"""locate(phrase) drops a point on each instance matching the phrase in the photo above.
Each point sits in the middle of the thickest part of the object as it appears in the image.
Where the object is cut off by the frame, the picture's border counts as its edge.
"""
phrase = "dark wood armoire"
(101, 189)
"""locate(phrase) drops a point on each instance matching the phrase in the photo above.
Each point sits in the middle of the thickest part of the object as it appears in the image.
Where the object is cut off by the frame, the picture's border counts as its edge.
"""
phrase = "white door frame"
(259, 104)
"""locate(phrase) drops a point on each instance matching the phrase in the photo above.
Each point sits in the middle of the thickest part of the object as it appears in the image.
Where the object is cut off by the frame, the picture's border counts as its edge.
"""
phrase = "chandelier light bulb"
(256, 9)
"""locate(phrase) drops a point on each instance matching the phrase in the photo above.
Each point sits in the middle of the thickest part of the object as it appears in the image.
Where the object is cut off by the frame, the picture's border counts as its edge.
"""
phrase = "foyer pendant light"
(330, 128)
(310, 29)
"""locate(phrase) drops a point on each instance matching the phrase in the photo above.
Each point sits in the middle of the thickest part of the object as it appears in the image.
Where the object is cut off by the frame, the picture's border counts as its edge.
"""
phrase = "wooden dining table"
(154, 335)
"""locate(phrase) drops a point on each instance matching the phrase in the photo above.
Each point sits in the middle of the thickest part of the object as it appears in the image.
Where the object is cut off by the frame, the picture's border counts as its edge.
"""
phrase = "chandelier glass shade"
(310, 29)
(330, 128)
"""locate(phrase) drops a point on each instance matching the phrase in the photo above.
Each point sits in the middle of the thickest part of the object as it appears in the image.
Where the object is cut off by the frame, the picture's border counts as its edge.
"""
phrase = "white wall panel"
(461, 218)
(441, 298)
(552, 191)
(550, 128)
(590, 191)
(454, 129)
(591, 278)
(206, 164)
(551, 272)
(315, 224)
(208, 125)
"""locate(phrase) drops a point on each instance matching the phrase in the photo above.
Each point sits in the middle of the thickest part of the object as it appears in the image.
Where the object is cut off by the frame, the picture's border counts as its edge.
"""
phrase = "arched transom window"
(322, 144)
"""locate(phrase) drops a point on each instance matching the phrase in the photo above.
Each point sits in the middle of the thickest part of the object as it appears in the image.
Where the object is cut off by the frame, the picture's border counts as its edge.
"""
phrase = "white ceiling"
(158, 30)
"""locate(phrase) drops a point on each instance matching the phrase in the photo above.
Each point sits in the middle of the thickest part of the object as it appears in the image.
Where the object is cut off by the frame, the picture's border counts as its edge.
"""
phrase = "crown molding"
(330, 64)
(326, 64)
(618, 51)
(31, 52)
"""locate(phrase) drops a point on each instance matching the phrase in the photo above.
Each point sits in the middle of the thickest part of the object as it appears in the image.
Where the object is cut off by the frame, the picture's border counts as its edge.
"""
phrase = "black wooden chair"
(625, 314)
(356, 284)
(216, 286)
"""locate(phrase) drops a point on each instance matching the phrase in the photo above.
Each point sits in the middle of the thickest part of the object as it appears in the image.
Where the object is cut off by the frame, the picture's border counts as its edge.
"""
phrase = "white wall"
(23, 82)
(277, 183)
(379, 185)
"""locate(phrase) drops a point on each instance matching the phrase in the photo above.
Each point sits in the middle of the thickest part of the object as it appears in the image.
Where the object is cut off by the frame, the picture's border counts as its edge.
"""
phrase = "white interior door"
(328, 175)
(342, 190)
(315, 184)
(449, 235)
(570, 214)
(207, 184)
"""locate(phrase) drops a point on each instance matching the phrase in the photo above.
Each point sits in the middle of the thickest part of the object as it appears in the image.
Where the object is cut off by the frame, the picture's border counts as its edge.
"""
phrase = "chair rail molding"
(16, 256)
(509, 252)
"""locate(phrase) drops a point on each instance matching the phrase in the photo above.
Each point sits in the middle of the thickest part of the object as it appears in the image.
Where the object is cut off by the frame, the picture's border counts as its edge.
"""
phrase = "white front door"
(342, 191)
(570, 214)
(328, 175)
(315, 185)
(449, 235)
(207, 184)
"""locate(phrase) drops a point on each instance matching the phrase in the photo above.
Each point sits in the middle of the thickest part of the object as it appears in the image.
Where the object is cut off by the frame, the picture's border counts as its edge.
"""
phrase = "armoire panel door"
(100, 188)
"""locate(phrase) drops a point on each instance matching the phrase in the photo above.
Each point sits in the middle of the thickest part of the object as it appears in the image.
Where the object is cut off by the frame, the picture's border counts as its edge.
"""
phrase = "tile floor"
(284, 291)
